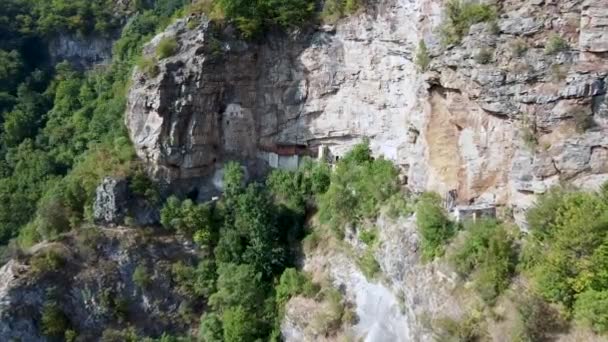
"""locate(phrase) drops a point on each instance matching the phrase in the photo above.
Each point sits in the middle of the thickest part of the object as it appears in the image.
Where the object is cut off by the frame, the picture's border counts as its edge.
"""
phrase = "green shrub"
(519, 47)
(252, 17)
(434, 225)
(556, 44)
(194, 282)
(47, 261)
(369, 236)
(211, 328)
(239, 325)
(293, 283)
(460, 15)
(495, 271)
(70, 335)
(54, 322)
(369, 265)
(141, 277)
(569, 229)
(148, 66)
(141, 185)
(488, 250)
(591, 309)
(189, 219)
(537, 321)
(423, 59)
(167, 47)
(469, 328)
(356, 174)
(333, 10)
(484, 56)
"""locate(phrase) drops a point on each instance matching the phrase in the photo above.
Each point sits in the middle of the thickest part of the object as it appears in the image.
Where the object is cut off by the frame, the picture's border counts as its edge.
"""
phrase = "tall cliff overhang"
(497, 132)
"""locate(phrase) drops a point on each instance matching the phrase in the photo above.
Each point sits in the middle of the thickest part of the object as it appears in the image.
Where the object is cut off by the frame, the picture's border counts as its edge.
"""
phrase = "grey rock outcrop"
(220, 98)
(81, 52)
(115, 202)
(111, 201)
(93, 285)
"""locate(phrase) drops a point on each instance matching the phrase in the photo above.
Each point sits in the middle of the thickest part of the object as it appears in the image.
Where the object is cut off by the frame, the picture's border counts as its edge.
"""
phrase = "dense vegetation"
(566, 255)
(61, 129)
(564, 258)
(248, 240)
(360, 185)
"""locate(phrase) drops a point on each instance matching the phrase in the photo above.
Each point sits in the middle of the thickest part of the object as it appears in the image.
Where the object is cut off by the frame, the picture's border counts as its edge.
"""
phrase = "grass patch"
(149, 66)
(423, 59)
(468, 329)
(369, 265)
(556, 44)
(484, 56)
(167, 47)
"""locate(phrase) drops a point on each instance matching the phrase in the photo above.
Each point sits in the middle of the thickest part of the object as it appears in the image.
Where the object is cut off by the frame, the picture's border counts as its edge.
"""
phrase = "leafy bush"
(567, 244)
(251, 17)
(369, 236)
(54, 322)
(556, 44)
(141, 185)
(141, 277)
(293, 283)
(460, 15)
(489, 249)
(189, 219)
(434, 225)
(368, 264)
(333, 10)
(47, 261)
(357, 174)
(211, 328)
(167, 47)
(591, 308)
(484, 56)
(423, 59)
(536, 319)
(469, 328)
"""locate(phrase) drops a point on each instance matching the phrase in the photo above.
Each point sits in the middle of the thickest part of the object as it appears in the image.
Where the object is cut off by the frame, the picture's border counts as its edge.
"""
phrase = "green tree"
(239, 325)
(591, 308)
(54, 321)
(211, 328)
(434, 225)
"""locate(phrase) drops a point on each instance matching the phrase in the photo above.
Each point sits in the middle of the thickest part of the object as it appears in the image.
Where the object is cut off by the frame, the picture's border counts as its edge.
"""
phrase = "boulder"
(111, 201)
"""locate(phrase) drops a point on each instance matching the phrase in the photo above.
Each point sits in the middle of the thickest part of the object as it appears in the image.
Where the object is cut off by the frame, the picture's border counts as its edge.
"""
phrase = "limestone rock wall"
(499, 131)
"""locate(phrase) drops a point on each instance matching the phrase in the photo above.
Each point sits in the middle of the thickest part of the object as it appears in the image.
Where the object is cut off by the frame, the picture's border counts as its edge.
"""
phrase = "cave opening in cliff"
(193, 194)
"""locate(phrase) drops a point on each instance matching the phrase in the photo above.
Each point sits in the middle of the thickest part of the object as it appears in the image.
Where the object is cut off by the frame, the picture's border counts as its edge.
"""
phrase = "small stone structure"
(474, 212)
(285, 156)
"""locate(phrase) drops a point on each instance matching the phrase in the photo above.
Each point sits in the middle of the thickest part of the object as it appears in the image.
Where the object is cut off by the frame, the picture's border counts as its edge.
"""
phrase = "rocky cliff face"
(499, 118)
(499, 130)
(90, 279)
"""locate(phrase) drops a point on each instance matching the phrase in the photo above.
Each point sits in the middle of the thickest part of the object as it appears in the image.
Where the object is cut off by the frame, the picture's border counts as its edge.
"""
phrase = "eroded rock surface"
(497, 132)
(94, 286)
